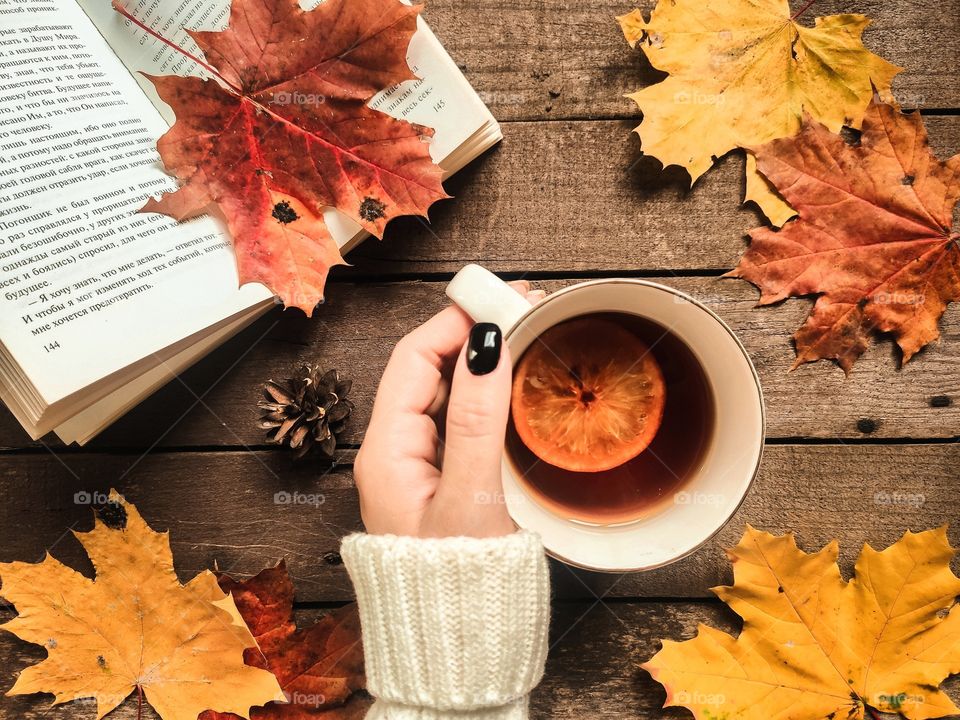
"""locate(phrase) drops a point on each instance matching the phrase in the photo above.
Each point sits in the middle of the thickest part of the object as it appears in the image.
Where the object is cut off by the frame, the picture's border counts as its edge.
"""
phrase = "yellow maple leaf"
(815, 646)
(133, 627)
(741, 73)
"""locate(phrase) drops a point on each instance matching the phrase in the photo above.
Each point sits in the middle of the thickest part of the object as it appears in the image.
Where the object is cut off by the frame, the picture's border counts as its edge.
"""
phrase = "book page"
(88, 286)
(441, 99)
(83, 426)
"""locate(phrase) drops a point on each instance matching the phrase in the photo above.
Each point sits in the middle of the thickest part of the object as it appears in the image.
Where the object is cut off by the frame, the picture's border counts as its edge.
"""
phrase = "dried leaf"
(814, 646)
(320, 668)
(873, 239)
(742, 72)
(132, 626)
(284, 131)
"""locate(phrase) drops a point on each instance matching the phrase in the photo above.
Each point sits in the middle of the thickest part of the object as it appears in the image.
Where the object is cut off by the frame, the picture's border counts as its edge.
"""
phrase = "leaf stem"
(139, 701)
(802, 10)
(150, 31)
(873, 713)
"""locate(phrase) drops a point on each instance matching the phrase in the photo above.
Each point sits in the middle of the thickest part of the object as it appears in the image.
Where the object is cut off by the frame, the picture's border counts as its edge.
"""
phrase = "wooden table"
(565, 197)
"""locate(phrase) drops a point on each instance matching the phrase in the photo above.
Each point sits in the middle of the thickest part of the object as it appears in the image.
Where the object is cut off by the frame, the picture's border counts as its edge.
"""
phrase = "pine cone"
(307, 410)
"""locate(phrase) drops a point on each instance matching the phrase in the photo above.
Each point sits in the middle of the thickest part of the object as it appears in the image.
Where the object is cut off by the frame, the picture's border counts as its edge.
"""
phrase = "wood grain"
(592, 670)
(576, 203)
(215, 403)
(243, 511)
(567, 194)
(579, 196)
(539, 59)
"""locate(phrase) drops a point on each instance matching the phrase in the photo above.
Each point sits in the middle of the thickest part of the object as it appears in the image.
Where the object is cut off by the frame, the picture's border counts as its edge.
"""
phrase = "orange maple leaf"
(873, 238)
(284, 131)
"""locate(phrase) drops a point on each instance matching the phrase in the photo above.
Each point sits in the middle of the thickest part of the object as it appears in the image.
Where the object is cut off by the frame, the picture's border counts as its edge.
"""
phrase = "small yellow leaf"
(132, 626)
(761, 191)
(814, 646)
(742, 73)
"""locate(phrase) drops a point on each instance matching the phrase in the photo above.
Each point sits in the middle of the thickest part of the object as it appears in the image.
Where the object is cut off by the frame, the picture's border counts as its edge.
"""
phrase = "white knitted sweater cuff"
(453, 624)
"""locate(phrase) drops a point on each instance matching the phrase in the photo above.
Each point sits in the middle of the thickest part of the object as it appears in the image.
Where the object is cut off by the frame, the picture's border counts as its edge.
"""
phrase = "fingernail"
(483, 348)
(536, 295)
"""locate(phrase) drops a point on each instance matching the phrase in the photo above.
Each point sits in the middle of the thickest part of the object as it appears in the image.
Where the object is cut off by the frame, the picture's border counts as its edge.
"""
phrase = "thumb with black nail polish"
(483, 348)
(476, 426)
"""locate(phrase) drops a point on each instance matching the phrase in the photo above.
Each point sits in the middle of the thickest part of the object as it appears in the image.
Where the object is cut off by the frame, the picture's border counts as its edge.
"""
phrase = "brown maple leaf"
(320, 668)
(873, 239)
(283, 131)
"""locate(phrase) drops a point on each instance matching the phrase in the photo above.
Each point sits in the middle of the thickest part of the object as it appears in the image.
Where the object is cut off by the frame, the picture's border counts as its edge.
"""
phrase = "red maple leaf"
(283, 131)
(320, 668)
(873, 238)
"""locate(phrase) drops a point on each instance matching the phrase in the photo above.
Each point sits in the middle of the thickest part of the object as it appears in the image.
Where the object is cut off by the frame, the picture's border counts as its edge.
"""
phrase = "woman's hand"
(405, 489)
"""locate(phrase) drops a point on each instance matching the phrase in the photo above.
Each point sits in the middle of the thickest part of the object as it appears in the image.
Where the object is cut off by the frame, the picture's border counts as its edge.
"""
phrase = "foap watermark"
(501, 97)
(91, 497)
(698, 98)
(699, 698)
(490, 498)
(305, 699)
(898, 298)
(914, 500)
(895, 701)
(101, 700)
(298, 498)
(700, 299)
(685, 497)
(909, 100)
(296, 98)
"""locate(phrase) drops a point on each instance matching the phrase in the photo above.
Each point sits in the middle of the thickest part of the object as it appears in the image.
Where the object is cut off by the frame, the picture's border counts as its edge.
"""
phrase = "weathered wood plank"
(556, 197)
(536, 59)
(578, 196)
(215, 403)
(592, 670)
(234, 511)
(224, 509)
(519, 213)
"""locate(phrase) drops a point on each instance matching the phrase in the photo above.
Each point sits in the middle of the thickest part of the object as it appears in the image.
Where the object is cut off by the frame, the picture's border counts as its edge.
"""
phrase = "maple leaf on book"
(873, 239)
(283, 131)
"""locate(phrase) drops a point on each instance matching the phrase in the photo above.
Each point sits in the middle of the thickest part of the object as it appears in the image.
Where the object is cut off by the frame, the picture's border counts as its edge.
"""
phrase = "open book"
(100, 305)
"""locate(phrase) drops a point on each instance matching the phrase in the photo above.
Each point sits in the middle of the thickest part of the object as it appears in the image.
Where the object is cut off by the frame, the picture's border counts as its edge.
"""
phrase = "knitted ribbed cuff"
(451, 624)
(383, 710)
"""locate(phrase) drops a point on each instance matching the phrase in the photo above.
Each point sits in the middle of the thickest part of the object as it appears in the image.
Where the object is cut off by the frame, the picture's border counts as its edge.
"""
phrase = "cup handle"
(486, 298)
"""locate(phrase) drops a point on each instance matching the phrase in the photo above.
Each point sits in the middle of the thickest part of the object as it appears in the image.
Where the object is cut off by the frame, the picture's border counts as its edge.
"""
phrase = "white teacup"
(711, 494)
